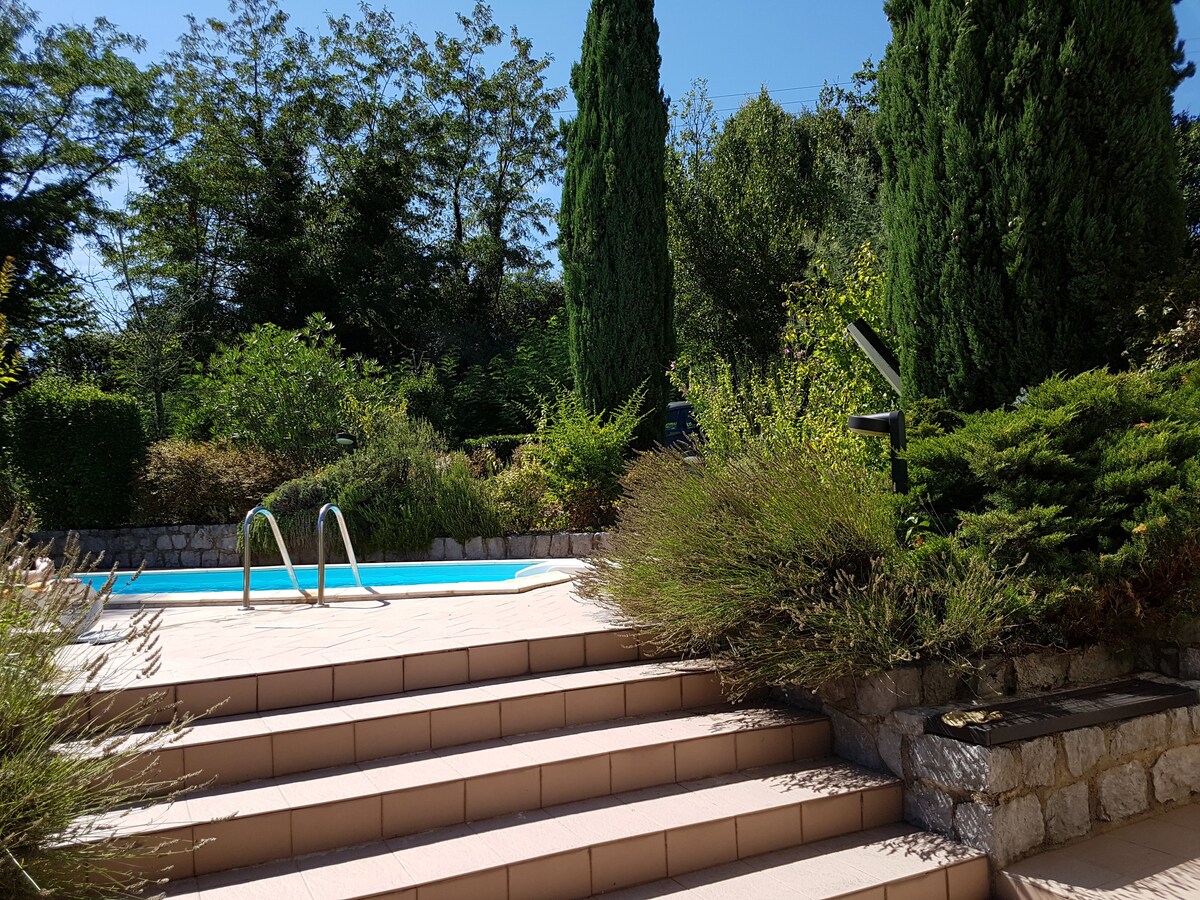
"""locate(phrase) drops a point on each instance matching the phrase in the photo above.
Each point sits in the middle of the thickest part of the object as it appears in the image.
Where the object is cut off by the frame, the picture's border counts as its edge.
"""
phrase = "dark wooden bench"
(1030, 717)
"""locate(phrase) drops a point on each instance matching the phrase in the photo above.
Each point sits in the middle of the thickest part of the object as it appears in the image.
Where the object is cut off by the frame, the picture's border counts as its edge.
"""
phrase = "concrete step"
(232, 749)
(587, 847)
(308, 678)
(1153, 859)
(893, 862)
(241, 825)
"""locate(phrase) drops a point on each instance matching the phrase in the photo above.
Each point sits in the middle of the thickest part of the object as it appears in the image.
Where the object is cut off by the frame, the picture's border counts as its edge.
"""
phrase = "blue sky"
(789, 46)
(738, 45)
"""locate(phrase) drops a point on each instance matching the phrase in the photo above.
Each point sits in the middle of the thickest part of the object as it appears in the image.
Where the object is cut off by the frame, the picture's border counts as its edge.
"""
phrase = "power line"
(802, 87)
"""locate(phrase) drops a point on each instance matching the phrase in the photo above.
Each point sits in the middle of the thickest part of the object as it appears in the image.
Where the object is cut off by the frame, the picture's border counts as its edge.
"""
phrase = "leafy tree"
(1187, 141)
(287, 392)
(1030, 184)
(744, 207)
(74, 109)
(494, 143)
(612, 227)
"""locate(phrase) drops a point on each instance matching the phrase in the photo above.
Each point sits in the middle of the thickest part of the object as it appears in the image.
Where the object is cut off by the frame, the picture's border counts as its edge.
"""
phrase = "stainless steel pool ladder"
(330, 508)
(287, 559)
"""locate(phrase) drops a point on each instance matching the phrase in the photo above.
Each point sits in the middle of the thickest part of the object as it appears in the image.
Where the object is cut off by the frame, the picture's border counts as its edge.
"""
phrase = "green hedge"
(74, 451)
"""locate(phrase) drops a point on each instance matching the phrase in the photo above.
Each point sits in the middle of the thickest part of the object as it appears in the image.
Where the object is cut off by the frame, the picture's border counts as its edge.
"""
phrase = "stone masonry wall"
(1022, 797)
(199, 546)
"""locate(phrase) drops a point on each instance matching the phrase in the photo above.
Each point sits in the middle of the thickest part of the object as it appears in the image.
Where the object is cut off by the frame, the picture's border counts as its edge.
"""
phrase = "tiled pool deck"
(226, 642)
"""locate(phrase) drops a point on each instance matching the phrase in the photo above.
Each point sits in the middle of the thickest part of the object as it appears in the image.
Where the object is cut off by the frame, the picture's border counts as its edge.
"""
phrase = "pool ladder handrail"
(287, 559)
(341, 520)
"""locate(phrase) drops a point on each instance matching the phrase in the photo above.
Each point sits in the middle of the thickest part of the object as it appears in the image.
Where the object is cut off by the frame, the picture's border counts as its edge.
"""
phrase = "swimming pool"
(185, 586)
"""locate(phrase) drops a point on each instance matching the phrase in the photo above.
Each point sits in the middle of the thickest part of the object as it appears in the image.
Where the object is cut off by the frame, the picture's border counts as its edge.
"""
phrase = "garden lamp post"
(885, 424)
(346, 440)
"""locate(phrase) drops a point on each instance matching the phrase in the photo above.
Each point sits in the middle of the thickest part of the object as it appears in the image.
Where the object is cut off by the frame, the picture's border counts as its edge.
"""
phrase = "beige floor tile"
(576, 779)
(765, 746)
(446, 854)
(505, 792)
(968, 881)
(318, 748)
(326, 786)
(597, 704)
(232, 843)
(553, 654)
(930, 886)
(229, 762)
(368, 679)
(421, 809)
(567, 876)
(646, 697)
(491, 885)
(603, 647)
(333, 825)
(702, 757)
(812, 740)
(529, 714)
(772, 829)
(702, 689)
(230, 696)
(431, 670)
(368, 871)
(700, 846)
(498, 660)
(828, 817)
(882, 806)
(464, 724)
(628, 862)
(642, 767)
(391, 736)
(134, 706)
(1183, 843)
(270, 882)
(301, 687)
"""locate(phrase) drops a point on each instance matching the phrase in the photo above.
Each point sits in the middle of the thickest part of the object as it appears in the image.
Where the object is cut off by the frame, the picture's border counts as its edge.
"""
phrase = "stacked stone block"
(1019, 798)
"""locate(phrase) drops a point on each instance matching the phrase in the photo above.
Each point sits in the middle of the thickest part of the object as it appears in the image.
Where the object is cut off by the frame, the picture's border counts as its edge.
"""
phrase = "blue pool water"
(275, 578)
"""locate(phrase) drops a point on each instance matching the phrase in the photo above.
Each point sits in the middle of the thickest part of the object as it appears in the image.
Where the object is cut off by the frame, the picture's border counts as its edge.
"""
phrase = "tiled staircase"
(557, 768)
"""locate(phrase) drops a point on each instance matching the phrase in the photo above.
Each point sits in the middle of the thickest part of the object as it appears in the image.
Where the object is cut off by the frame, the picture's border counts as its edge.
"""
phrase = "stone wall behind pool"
(202, 546)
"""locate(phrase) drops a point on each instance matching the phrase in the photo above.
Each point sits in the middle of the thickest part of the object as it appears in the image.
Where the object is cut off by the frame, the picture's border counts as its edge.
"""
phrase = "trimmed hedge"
(74, 452)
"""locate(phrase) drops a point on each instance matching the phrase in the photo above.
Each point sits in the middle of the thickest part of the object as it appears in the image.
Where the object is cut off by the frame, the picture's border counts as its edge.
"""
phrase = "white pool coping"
(558, 571)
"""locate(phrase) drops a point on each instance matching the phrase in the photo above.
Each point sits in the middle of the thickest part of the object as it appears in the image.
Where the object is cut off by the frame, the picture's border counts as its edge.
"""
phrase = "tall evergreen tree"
(1030, 183)
(613, 223)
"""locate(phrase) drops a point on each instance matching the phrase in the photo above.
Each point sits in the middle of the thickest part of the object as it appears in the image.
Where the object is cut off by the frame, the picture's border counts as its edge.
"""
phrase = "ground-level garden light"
(346, 439)
(885, 424)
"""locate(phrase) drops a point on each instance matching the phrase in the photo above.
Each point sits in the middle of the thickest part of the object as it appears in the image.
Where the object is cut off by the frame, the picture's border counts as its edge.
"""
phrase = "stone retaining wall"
(199, 546)
(1022, 797)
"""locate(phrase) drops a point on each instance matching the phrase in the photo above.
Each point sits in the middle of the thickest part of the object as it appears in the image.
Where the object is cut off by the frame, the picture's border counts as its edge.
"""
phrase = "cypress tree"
(613, 222)
(1030, 184)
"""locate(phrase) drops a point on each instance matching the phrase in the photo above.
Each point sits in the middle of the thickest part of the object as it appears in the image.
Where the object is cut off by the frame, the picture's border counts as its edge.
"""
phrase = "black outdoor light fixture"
(885, 424)
(346, 439)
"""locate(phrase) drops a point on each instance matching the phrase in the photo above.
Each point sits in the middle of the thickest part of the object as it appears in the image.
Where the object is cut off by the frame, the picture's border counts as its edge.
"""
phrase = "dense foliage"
(613, 223)
(1090, 484)
(398, 491)
(800, 397)
(204, 482)
(74, 452)
(583, 456)
(789, 572)
(284, 392)
(1030, 185)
